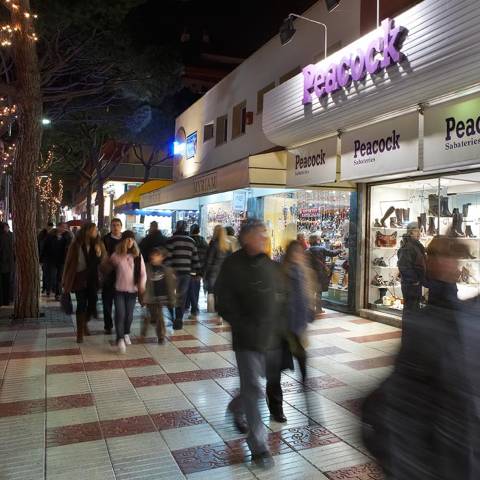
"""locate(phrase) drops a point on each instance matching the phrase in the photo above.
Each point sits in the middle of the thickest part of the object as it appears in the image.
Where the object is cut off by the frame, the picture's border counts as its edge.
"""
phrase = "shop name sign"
(205, 184)
(312, 164)
(452, 134)
(380, 145)
(381, 53)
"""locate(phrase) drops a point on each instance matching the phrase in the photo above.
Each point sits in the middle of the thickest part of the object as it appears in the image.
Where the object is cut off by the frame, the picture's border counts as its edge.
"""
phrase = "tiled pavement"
(158, 412)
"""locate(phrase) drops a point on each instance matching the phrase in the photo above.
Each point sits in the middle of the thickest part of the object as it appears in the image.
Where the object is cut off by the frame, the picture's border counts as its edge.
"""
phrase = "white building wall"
(265, 66)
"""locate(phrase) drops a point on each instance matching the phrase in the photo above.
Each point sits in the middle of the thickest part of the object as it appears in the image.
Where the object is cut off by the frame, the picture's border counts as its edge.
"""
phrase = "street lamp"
(46, 121)
(287, 30)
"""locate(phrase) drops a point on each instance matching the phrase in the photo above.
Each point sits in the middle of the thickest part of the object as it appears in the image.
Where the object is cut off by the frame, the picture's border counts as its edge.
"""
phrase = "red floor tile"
(177, 419)
(150, 380)
(127, 426)
(376, 337)
(326, 331)
(331, 315)
(276, 444)
(189, 376)
(70, 401)
(221, 329)
(361, 321)
(206, 457)
(45, 353)
(25, 407)
(190, 350)
(65, 368)
(84, 432)
(324, 351)
(105, 365)
(372, 362)
(223, 372)
(311, 436)
(139, 362)
(181, 338)
(323, 382)
(369, 471)
(7, 343)
(61, 334)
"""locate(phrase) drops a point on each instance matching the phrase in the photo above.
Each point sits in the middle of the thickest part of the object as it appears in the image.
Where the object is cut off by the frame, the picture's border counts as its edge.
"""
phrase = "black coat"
(151, 241)
(55, 248)
(6, 252)
(250, 294)
(412, 261)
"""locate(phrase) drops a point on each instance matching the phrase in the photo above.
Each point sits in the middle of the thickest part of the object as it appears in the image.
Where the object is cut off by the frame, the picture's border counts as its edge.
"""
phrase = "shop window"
(292, 73)
(449, 207)
(222, 130)
(239, 119)
(261, 93)
(208, 132)
(335, 47)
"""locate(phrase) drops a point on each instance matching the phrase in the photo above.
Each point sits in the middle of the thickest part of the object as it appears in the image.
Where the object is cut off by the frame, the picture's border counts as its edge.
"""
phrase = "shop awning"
(130, 200)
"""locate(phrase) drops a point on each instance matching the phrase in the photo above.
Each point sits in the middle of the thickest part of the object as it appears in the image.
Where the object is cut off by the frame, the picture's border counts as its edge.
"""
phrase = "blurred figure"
(247, 299)
(303, 241)
(154, 239)
(318, 261)
(235, 244)
(183, 258)
(81, 274)
(218, 250)
(423, 421)
(6, 264)
(195, 281)
(130, 279)
(42, 237)
(111, 241)
(412, 266)
(159, 291)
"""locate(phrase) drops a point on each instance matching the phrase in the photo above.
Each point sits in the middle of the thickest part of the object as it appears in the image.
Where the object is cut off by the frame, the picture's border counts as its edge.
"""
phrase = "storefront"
(404, 102)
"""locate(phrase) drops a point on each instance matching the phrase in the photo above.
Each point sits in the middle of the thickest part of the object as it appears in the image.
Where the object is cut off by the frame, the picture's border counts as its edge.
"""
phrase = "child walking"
(130, 282)
(159, 291)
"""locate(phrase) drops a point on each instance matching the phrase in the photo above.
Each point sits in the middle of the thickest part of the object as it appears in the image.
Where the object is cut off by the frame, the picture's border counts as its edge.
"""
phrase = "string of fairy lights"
(9, 30)
(50, 193)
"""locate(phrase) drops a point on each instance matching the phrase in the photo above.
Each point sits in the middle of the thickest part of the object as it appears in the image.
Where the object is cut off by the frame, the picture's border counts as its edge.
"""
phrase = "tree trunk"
(27, 284)
(89, 201)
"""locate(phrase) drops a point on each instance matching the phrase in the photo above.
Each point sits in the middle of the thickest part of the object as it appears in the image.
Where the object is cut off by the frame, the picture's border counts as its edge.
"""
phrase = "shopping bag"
(211, 303)
(66, 303)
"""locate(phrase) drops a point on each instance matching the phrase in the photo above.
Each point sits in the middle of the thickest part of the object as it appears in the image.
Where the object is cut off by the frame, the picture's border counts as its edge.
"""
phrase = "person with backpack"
(318, 259)
(130, 279)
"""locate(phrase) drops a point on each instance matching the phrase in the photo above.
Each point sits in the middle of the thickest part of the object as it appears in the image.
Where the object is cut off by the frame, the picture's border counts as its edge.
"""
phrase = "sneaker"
(127, 339)
(122, 348)
(263, 460)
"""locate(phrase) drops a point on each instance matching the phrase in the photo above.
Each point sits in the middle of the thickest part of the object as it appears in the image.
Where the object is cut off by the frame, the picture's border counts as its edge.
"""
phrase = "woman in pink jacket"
(130, 282)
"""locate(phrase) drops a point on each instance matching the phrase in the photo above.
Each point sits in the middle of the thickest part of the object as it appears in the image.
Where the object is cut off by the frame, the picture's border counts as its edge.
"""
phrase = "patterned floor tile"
(177, 419)
(323, 382)
(368, 471)
(26, 407)
(150, 380)
(301, 438)
(122, 427)
(69, 401)
(69, 434)
(190, 376)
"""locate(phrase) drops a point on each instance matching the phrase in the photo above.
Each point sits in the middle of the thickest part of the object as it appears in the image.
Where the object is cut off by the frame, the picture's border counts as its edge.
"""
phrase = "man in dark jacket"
(247, 300)
(412, 266)
(42, 237)
(110, 240)
(195, 281)
(183, 258)
(154, 239)
(6, 264)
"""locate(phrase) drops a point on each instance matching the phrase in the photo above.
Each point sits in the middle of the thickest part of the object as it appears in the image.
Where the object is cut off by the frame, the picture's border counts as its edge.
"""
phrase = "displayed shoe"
(444, 211)
(376, 224)
(457, 221)
(433, 205)
(399, 217)
(388, 213)
(406, 215)
(378, 281)
(393, 223)
(263, 460)
(465, 210)
(379, 262)
(469, 232)
(466, 275)
(122, 348)
(127, 340)
(432, 231)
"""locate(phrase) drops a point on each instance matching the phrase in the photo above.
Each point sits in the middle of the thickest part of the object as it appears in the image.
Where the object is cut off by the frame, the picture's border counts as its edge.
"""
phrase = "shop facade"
(403, 103)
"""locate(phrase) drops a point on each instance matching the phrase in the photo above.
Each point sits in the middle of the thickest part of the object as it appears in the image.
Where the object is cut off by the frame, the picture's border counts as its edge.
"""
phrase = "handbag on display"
(384, 240)
(66, 303)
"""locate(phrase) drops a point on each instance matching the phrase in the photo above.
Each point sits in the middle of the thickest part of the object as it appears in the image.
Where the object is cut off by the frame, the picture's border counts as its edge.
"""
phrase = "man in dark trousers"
(110, 240)
(248, 300)
(194, 290)
(154, 239)
(183, 258)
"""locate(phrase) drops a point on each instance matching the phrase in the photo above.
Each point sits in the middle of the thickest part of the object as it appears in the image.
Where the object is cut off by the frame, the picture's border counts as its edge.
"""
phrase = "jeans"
(156, 315)
(251, 366)
(124, 305)
(86, 301)
(108, 293)
(193, 295)
(183, 284)
(54, 274)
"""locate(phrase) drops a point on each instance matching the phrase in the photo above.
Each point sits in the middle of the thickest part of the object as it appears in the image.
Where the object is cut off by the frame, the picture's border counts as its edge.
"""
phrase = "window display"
(447, 206)
(220, 214)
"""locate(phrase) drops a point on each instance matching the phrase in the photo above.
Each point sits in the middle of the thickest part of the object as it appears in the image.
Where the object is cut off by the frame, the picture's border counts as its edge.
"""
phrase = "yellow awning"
(133, 195)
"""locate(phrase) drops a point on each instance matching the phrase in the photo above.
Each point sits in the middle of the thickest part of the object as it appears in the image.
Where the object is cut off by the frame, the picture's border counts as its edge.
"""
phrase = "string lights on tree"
(50, 194)
(9, 30)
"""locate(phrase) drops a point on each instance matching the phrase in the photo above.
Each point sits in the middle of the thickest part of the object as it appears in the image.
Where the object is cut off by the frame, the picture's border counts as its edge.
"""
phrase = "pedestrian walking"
(130, 279)
(54, 254)
(218, 249)
(234, 243)
(247, 300)
(154, 239)
(159, 291)
(6, 264)
(41, 238)
(110, 240)
(196, 280)
(81, 274)
(183, 258)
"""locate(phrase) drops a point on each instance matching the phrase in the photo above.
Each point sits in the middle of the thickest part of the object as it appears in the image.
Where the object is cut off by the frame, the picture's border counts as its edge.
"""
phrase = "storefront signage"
(379, 54)
(452, 134)
(192, 145)
(240, 201)
(383, 148)
(312, 164)
(205, 184)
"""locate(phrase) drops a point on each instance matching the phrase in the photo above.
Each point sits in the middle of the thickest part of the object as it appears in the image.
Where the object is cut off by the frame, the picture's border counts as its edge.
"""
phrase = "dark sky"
(236, 28)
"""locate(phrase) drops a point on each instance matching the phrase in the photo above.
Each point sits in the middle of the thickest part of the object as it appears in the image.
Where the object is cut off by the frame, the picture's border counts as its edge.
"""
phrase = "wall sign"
(192, 145)
(384, 148)
(312, 164)
(381, 53)
(452, 134)
(205, 184)
(240, 201)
